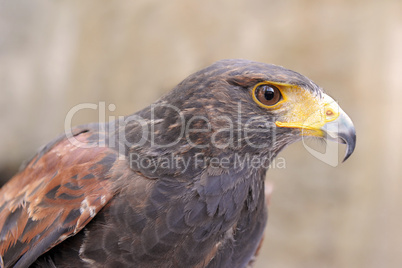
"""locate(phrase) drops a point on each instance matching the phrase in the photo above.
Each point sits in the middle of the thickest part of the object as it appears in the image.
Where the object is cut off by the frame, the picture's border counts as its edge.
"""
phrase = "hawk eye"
(267, 95)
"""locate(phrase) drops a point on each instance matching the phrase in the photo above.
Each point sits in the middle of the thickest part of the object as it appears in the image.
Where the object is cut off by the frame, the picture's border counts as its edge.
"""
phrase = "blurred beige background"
(57, 54)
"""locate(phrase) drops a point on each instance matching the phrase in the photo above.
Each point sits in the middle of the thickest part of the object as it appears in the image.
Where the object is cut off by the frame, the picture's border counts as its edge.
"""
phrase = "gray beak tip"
(350, 139)
(343, 131)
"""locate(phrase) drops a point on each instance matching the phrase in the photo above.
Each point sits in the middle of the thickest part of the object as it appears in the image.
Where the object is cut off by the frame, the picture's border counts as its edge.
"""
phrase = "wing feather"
(57, 193)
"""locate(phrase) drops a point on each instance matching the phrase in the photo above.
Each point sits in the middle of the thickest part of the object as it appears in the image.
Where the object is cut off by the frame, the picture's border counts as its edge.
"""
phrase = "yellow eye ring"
(267, 95)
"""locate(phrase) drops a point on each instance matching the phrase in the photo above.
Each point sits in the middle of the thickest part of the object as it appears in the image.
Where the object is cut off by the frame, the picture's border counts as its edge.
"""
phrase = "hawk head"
(244, 107)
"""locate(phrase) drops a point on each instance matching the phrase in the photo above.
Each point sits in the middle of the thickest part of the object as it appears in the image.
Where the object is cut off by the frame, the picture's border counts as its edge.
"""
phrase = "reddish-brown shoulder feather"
(54, 197)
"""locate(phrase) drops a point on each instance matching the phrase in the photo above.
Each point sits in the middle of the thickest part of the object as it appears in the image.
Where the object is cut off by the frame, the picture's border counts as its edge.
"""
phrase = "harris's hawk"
(177, 184)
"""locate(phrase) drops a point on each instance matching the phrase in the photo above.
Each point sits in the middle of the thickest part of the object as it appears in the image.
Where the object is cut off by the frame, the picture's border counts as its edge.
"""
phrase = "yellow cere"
(299, 108)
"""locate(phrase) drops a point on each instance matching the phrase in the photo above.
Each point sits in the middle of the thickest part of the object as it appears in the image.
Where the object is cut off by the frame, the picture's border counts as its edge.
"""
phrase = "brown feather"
(63, 188)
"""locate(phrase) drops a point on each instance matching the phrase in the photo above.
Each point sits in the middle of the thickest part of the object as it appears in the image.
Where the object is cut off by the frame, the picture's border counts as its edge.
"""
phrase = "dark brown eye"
(268, 94)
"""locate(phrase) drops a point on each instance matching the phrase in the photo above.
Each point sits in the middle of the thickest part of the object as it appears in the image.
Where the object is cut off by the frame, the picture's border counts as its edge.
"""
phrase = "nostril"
(329, 113)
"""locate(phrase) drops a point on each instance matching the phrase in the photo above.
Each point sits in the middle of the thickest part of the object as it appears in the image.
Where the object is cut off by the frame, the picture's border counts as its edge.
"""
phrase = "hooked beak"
(343, 131)
(325, 119)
